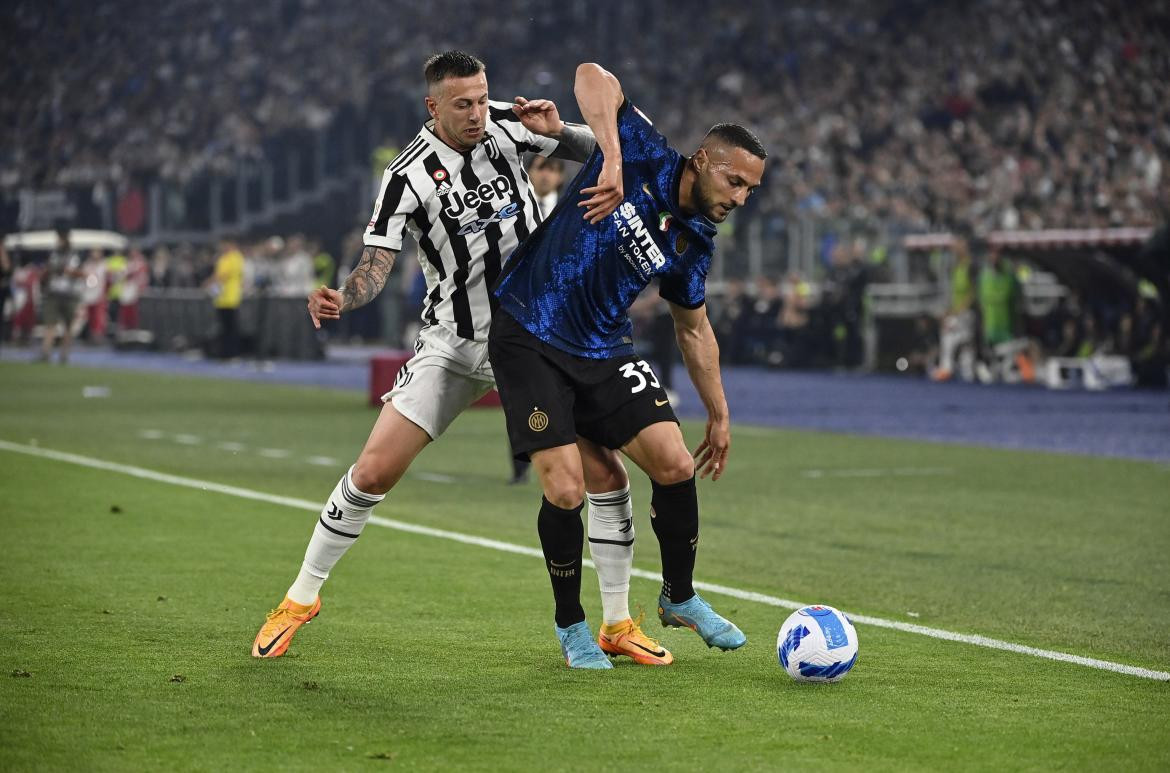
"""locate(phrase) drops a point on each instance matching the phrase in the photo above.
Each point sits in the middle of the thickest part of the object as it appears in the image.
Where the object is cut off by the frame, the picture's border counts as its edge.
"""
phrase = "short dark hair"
(451, 64)
(737, 136)
(549, 162)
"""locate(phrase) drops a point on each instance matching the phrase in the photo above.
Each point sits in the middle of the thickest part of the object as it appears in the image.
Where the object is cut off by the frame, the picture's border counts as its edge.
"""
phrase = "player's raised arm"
(540, 116)
(363, 284)
(700, 352)
(599, 95)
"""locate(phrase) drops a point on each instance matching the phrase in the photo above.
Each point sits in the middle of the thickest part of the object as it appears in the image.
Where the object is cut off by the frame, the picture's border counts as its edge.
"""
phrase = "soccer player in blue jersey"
(562, 351)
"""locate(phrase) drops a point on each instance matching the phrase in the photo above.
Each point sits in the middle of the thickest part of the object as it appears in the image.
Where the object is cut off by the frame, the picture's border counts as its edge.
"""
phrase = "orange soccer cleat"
(282, 623)
(626, 638)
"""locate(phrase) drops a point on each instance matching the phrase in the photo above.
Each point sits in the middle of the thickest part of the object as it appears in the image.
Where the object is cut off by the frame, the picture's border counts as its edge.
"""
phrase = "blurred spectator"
(136, 281)
(845, 303)
(1147, 345)
(730, 321)
(26, 285)
(227, 287)
(762, 327)
(95, 311)
(117, 267)
(796, 342)
(294, 276)
(957, 327)
(999, 296)
(924, 346)
(547, 175)
(61, 287)
(161, 273)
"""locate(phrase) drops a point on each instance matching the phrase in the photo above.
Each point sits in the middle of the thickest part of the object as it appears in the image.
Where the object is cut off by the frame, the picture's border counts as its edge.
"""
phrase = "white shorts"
(446, 374)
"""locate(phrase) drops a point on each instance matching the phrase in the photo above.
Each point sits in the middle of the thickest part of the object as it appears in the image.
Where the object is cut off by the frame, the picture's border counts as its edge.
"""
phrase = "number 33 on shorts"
(630, 370)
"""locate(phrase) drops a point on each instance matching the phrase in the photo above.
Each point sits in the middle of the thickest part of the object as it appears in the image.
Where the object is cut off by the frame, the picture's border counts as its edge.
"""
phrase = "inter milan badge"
(538, 421)
(680, 244)
(442, 181)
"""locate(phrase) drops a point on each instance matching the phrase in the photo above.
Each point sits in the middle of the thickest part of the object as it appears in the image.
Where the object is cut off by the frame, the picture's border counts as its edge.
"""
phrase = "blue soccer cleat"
(696, 614)
(580, 648)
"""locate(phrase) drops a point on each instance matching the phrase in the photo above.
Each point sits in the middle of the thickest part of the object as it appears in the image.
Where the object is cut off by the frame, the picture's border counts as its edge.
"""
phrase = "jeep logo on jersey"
(499, 187)
(635, 242)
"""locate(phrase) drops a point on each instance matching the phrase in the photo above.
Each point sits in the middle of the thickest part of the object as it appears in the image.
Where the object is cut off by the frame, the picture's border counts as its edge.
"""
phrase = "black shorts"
(550, 396)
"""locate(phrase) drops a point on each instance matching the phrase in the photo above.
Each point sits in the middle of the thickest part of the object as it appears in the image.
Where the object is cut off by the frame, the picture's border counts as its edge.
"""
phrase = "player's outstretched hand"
(711, 455)
(324, 304)
(539, 116)
(607, 194)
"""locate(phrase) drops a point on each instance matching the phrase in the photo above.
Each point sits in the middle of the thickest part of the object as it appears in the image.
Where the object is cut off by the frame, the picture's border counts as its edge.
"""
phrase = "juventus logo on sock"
(334, 511)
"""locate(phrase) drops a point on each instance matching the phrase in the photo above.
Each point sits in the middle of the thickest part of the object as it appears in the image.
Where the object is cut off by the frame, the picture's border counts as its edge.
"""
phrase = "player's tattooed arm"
(576, 143)
(364, 282)
(367, 278)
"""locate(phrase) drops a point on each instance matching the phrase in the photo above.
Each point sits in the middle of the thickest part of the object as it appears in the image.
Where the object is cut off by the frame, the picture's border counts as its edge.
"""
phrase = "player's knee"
(675, 468)
(610, 477)
(372, 476)
(566, 497)
(564, 491)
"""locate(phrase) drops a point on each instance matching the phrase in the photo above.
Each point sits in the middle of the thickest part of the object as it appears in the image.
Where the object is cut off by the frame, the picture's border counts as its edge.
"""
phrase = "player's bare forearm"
(599, 95)
(576, 143)
(700, 353)
(367, 278)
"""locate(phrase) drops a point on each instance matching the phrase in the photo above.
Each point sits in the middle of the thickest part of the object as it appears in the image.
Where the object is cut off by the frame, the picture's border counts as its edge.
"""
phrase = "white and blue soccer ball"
(817, 644)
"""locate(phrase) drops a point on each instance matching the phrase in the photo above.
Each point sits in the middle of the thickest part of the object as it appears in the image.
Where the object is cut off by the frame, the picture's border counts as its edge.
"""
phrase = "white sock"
(611, 544)
(342, 520)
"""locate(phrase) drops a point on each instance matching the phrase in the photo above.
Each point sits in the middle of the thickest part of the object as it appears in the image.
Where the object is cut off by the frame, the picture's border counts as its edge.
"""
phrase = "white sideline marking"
(323, 461)
(507, 547)
(877, 472)
(433, 477)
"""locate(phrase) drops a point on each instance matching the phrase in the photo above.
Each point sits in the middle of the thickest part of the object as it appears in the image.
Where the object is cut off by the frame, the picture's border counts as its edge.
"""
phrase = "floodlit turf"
(433, 654)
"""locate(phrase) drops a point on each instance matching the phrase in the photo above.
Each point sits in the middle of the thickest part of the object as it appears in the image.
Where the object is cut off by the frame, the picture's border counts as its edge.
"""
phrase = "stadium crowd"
(998, 113)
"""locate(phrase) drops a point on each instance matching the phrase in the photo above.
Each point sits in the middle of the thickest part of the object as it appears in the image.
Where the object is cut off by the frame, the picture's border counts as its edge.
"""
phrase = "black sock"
(561, 538)
(676, 523)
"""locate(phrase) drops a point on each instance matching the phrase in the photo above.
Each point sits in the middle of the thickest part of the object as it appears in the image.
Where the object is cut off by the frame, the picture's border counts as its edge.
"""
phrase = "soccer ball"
(817, 644)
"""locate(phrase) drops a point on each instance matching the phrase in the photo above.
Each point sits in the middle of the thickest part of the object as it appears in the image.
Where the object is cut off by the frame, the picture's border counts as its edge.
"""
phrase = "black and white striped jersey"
(467, 211)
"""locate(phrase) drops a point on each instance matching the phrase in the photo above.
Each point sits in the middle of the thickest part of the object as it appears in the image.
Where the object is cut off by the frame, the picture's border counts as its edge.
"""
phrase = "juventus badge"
(489, 142)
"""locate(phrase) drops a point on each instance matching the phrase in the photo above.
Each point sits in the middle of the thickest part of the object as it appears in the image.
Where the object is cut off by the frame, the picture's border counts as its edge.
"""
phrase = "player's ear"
(700, 159)
(432, 106)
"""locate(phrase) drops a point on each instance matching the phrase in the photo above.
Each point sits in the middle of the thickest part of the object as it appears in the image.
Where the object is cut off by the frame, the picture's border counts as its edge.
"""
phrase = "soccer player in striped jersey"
(460, 190)
(563, 355)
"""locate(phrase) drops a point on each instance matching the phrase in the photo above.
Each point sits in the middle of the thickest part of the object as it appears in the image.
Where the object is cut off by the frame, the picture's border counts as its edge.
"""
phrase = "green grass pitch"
(130, 604)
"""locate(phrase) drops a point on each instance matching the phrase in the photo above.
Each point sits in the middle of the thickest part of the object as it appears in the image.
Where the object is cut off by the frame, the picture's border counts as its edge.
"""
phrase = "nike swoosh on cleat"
(659, 654)
(271, 644)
